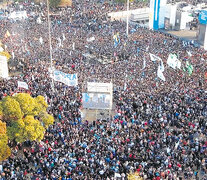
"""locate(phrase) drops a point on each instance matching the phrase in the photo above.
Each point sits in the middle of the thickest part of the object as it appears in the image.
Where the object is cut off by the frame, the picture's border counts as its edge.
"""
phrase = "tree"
(54, 3)
(26, 129)
(4, 148)
(23, 118)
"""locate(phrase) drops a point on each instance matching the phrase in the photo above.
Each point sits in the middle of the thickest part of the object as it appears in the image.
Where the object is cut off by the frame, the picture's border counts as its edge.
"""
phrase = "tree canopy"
(22, 118)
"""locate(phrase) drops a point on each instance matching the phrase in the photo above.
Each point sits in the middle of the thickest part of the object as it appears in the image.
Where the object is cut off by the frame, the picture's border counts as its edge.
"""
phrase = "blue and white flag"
(162, 68)
(116, 39)
(154, 57)
(68, 79)
(160, 73)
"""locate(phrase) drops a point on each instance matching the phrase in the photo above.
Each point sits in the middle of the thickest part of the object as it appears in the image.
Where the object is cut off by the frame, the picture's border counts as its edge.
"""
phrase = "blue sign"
(156, 14)
(203, 17)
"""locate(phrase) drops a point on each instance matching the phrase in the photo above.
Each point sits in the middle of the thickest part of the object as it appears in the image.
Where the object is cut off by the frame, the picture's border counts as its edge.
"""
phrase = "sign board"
(99, 87)
(3, 67)
(203, 17)
(99, 96)
(96, 101)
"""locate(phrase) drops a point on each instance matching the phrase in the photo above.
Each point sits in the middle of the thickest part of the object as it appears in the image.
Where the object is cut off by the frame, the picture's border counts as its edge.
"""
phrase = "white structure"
(4, 73)
(99, 96)
(136, 14)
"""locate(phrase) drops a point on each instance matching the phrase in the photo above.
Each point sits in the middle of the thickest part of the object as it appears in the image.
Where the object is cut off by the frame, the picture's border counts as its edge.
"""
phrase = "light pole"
(127, 28)
(50, 42)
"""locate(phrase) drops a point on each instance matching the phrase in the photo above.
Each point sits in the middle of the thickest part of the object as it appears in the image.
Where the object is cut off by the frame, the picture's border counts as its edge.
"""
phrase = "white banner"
(4, 73)
(22, 84)
(68, 79)
(154, 57)
(160, 73)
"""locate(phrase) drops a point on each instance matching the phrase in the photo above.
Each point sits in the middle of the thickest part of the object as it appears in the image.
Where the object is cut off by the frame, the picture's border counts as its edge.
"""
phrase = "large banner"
(96, 101)
(68, 79)
(203, 17)
(3, 67)
(99, 96)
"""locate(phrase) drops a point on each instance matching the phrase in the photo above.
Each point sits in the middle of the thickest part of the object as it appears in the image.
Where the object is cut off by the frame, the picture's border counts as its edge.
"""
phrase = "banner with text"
(68, 79)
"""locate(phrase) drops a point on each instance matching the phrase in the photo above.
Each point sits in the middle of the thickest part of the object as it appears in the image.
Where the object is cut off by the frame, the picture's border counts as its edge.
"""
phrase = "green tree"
(24, 117)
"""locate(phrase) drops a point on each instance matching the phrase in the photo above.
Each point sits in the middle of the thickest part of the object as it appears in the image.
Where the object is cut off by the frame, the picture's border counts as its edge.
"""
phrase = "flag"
(41, 40)
(59, 42)
(64, 37)
(73, 46)
(178, 64)
(154, 57)
(7, 34)
(173, 61)
(116, 39)
(138, 50)
(125, 86)
(12, 54)
(144, 64)
(22, 84)
(160, 74)
(162, 68)
(189, 53)
(189, 68)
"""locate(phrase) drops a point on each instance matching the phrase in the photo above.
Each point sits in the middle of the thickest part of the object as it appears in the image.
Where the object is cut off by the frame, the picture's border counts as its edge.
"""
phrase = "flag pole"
(127, 28)
(50, 41)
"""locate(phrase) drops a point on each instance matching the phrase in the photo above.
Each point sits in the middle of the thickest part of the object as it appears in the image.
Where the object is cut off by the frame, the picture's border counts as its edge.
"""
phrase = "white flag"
(12, 54)
(125, 86)
(189, 53)
(22, 84)
(59, 42)
(41, 40)
(162, 68)
(144, 64)
(154, 57)
(172, 61)
(178, 64)
(64, 37)
(73, 46)
(160, 74)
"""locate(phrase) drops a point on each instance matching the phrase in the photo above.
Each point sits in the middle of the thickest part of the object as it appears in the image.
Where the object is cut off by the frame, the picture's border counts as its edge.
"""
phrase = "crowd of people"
(159, 128)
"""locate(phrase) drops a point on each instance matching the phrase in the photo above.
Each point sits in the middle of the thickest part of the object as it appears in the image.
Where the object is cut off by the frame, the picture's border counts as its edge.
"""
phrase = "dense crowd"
(159, 129)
